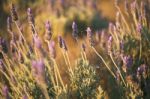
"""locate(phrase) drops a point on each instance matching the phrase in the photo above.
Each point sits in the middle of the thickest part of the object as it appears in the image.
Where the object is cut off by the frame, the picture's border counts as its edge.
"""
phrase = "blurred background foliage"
(61, 14)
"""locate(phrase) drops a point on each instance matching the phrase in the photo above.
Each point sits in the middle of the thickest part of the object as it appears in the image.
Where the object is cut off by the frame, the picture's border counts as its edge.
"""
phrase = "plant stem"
(118, 69)
(104, 62)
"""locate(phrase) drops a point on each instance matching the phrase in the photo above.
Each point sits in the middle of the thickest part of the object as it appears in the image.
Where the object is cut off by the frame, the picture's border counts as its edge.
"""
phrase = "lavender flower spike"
(30, 16)
(5, 92)
(64, 46)
(128, 61)
(37, 41)
(60, 41)
(9, 22)
(90, 36)
(48, 34)
(38, 67)
(75, 30)
(52, 49)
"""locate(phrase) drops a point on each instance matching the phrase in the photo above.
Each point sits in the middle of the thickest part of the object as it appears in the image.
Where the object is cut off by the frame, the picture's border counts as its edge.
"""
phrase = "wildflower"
(52, 49)
(142, 72)
(5, 92)
(142, 69)
(90, 36)
(14, 13)
(139, 28)
(83, 47)
(9, 22)
(25, 97)
(128, 61)
(37, 41)
(1, 64)
(48, 34)
(64, 46)
(30, 16)
(75, 30)
(31, 19)
(60, 41)
(38, 67)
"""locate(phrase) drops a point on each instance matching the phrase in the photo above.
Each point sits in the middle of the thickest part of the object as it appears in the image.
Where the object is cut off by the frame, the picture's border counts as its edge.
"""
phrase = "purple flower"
(52, 49)
(1, 64)
(75, 30)
(64, 46)
(5, 92)
(90, 36)
(48, 34)
(38, 67)
(139, 28)
(142, 69)
(25, 97)
(30, 16)
(128, 61)
(37, 41)
(9, 26)
(60, 41)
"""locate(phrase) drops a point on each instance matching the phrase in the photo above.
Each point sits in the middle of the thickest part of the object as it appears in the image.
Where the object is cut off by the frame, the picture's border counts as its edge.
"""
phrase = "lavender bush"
(30, 70)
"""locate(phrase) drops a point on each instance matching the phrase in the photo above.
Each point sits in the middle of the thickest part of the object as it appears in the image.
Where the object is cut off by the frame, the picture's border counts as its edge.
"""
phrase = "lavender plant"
(30, 70)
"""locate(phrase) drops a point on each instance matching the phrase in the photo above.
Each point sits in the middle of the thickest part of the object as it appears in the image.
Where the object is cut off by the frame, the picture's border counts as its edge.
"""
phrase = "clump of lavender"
(84, 80)
(40, 74)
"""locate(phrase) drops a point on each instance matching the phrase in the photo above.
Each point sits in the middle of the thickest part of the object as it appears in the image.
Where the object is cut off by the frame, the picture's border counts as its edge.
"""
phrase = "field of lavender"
(95, 62)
